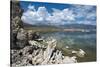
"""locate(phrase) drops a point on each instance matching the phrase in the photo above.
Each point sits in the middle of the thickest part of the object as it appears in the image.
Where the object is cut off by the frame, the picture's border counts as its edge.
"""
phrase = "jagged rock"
(35, 55)
(38, 59)
(16, 22)
(22, 34)
(79, 53)
(22, 39)
(36, 36)
(32, 42)
(50, 57)
(49, 50)
(30, 34)
(68, 59)
(15, 27)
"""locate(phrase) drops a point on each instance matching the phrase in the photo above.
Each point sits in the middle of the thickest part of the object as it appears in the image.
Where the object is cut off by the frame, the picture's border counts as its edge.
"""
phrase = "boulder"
(68, 59)
(30, 34)
(79, 53)
(22, 39)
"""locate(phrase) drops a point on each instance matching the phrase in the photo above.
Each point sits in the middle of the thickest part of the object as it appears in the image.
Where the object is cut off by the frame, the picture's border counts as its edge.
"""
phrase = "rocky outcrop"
(16, 25)
(37, 55)
(79, 53)
(22, 38)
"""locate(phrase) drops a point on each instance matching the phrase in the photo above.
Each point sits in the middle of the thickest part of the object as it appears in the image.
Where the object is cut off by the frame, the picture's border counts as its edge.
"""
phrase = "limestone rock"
(16, 22)
(22, 39)
(22, 34)
(30, 34)
(36, 55)
(79, 53)
(68, 59)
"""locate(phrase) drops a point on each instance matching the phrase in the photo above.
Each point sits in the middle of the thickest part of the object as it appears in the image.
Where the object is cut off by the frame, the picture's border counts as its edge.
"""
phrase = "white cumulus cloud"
(42, 16)
(76, 14)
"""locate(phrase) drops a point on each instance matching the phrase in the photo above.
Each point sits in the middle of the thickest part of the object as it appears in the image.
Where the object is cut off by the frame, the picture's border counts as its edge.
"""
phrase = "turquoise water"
(76, 40)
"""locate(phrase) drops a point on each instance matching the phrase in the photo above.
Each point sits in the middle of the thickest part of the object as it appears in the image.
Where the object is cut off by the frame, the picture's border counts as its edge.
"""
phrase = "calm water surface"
(76, 40)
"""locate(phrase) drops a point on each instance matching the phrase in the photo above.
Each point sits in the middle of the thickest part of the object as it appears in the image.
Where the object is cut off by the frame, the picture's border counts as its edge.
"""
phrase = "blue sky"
(49, 6)
(57, 14)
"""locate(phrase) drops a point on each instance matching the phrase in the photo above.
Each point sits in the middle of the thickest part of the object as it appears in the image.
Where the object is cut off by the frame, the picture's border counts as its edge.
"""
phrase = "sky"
(40, 13)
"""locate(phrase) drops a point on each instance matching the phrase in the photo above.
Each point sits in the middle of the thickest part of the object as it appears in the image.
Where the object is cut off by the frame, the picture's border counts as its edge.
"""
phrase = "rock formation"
(16, 25)
(37, 55)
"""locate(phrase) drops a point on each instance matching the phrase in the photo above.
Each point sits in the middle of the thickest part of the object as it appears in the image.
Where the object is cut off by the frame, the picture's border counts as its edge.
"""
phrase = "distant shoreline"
(45, 29)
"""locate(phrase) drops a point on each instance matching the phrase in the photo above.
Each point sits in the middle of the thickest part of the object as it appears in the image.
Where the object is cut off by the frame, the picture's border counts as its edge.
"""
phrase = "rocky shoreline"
(37, 54)
(26, 46)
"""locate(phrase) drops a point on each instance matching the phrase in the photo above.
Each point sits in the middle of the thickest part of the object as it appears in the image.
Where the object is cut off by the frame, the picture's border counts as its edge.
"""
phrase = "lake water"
(76, 40)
